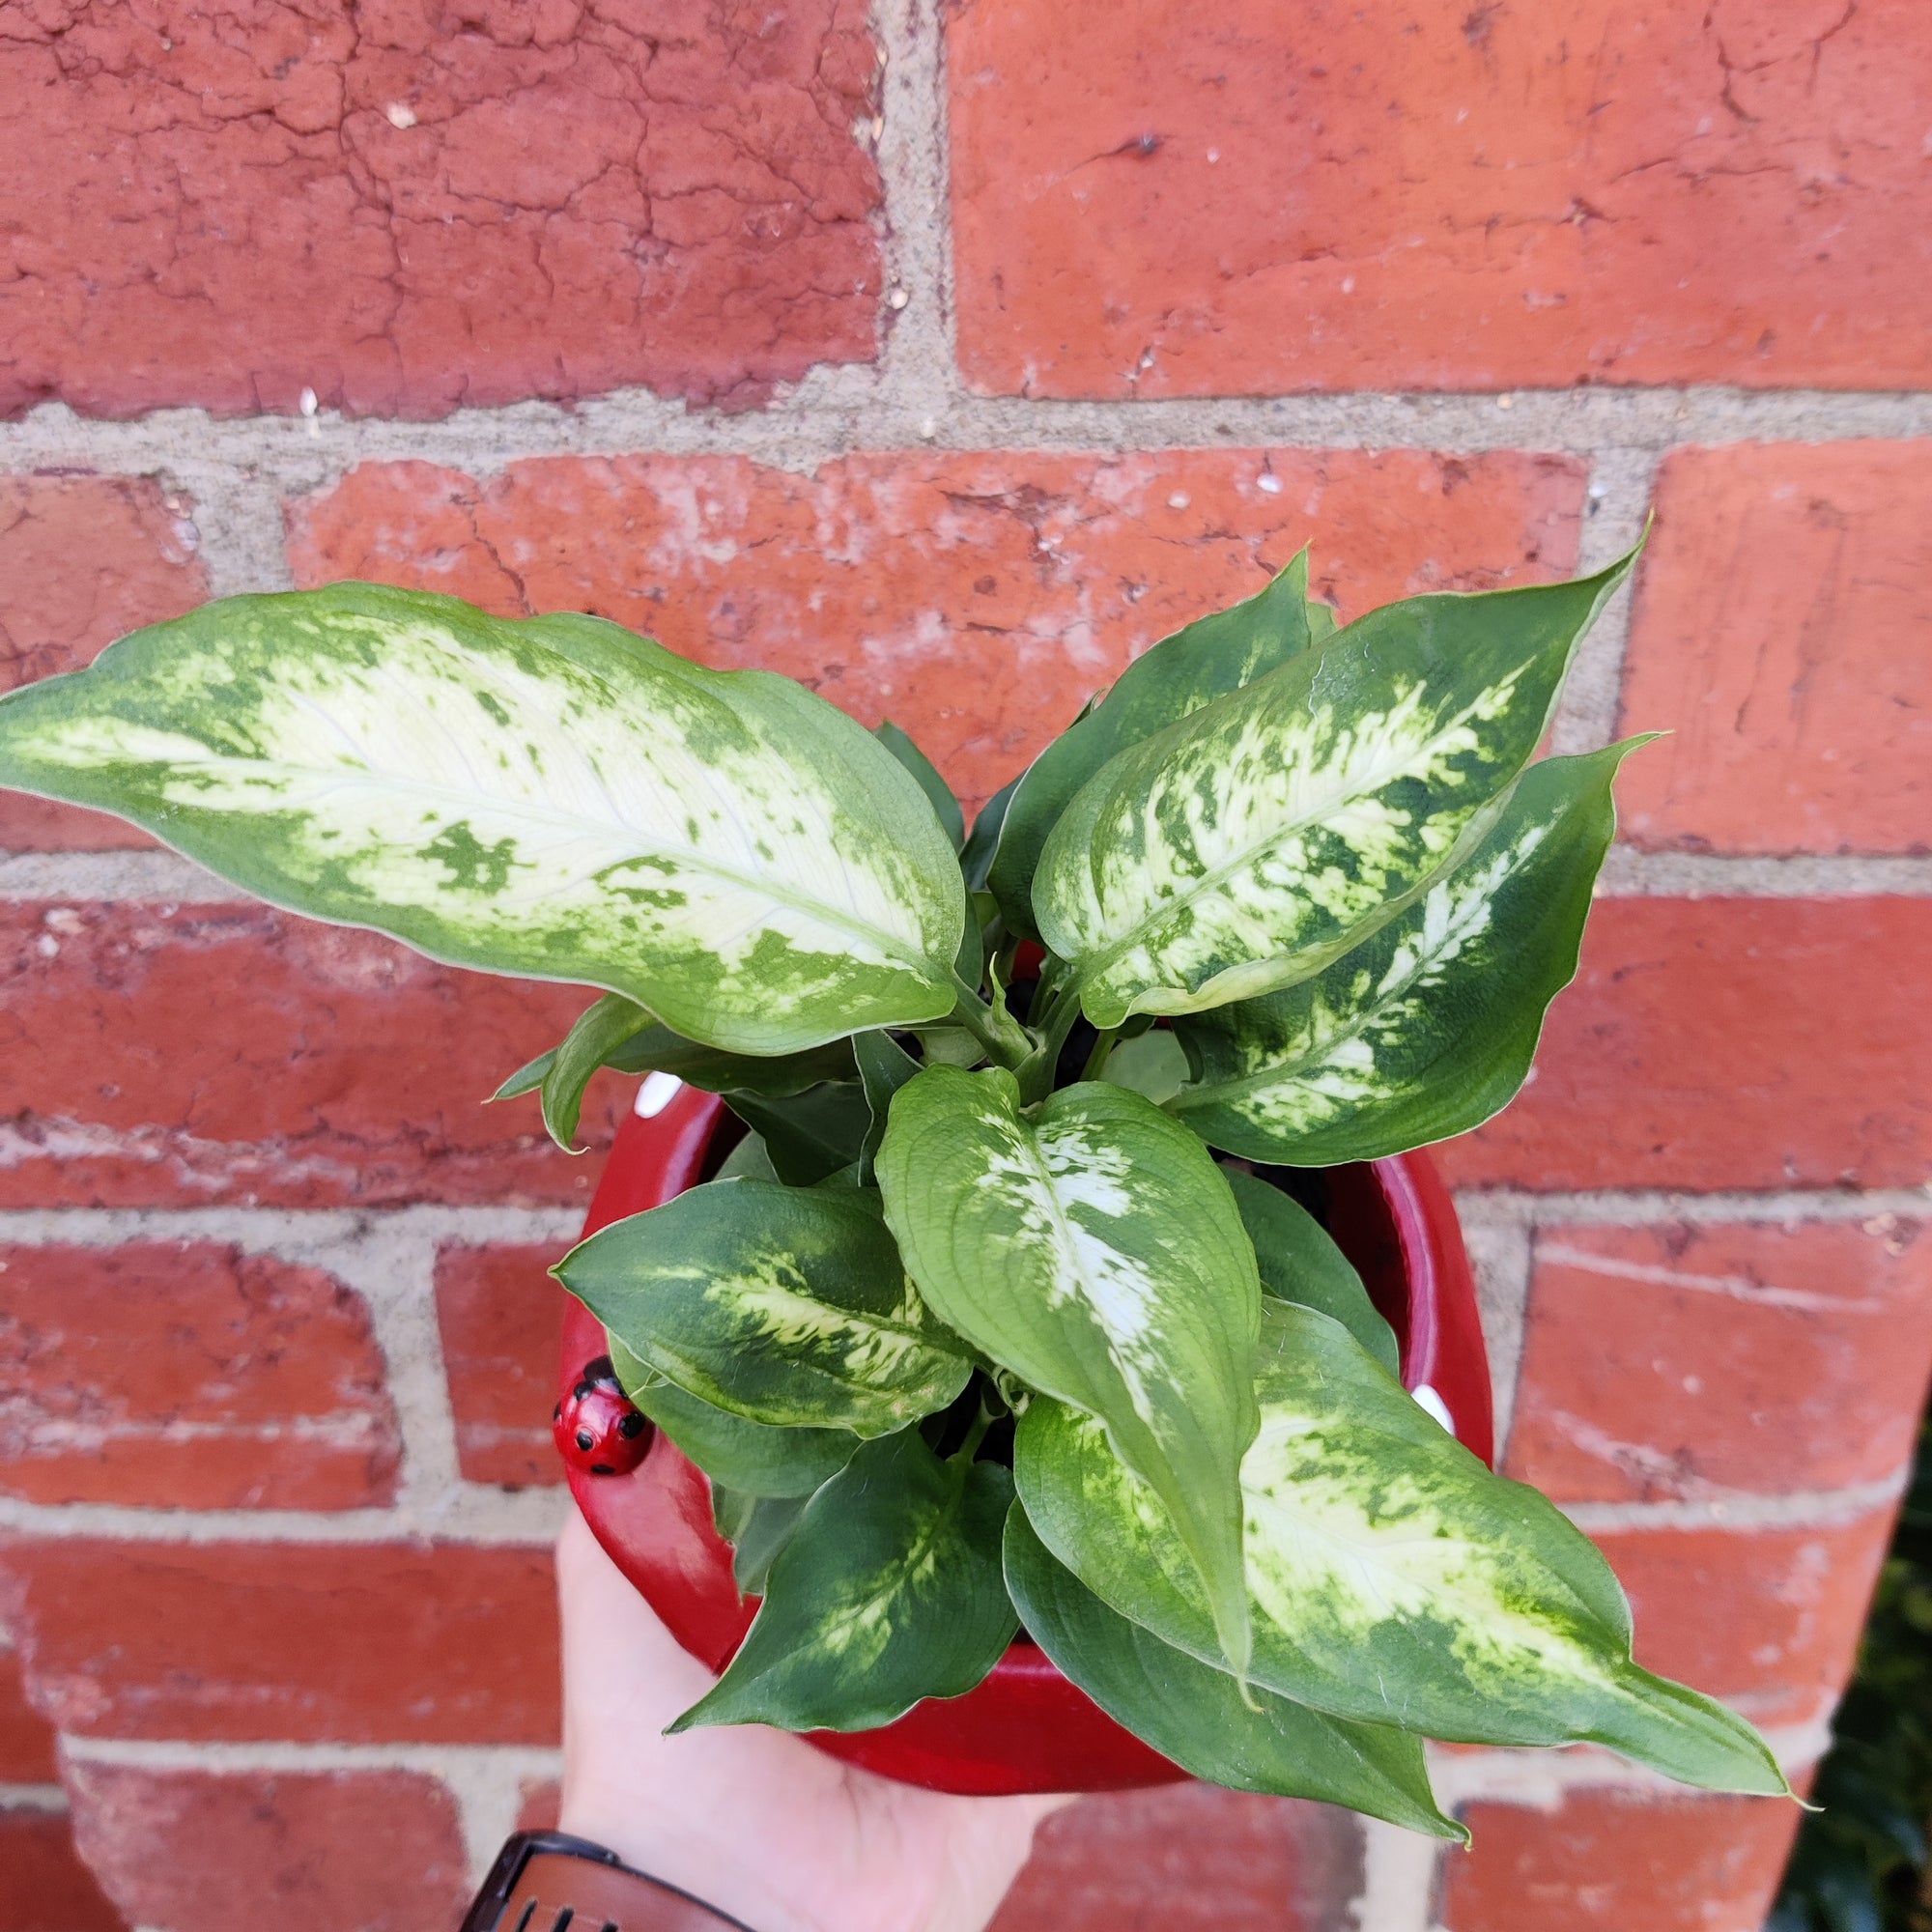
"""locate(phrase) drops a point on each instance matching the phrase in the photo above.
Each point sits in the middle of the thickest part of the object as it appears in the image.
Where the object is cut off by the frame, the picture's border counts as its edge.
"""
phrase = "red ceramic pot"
(1026, 1728)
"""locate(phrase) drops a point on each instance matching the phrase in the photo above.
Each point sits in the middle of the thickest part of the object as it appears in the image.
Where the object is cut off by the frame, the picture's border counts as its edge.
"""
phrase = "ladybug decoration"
(596, 1428)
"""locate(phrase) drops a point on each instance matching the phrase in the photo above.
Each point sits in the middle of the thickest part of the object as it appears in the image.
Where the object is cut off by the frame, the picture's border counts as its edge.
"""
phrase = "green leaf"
(1429, 1027)
(757, 1529)
(808, 1135)
(784, 1305)
(1095, 1252)
(1152, 1064)
(884, 1068)
(751, 1458)
(1393, 1578)
(552, 797)
(1215, 655)
(646, 1047)
(749, 1160)
(1299, 1262)
(598, 1033)
(889, 1590)
(1244, 849)
(944, 807)
(1194, 1714)
(976, 860)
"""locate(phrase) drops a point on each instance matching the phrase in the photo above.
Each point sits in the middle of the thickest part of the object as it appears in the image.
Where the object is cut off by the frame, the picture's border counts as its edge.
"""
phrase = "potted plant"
(996, 1320)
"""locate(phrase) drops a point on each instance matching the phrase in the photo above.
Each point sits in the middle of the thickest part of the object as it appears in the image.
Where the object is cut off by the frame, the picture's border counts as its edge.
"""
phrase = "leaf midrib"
(1276, 1071)
(538, 815)
(1096, 963)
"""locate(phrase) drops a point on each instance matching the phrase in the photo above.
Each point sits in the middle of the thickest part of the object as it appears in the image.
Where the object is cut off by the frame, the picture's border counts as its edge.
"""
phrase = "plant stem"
(999, 1032)
(1096, 1061)
(1037, 1075)
(975, 1435)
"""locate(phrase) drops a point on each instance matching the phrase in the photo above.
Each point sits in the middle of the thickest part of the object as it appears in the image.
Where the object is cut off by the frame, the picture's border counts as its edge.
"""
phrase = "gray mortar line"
(1628, 873)
(1616, 505)
(472, 1514)
(1637, 1208)
(168, 878)
(1744, 1511)
(1501, 1254)
(44, 1799)
(310, 1236)
(835, 411)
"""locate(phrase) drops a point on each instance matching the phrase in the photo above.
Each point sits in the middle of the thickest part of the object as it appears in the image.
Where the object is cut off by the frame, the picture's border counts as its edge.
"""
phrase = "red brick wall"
(944, 361)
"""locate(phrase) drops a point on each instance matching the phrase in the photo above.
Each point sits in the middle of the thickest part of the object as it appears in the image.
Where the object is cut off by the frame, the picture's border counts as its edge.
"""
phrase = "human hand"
(753, 1820)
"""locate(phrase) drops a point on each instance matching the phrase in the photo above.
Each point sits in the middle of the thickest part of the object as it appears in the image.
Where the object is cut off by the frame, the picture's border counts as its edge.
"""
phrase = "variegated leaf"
(1246, 847)
(1214, 655)
(753, 1459)
(630, 1041)
(1298, 1262)
(555, 798)
(1428, 1028)
(886, 1591)
(1197, 1715)
(1393, 1578)
(1095, 1252)
(788, 1305)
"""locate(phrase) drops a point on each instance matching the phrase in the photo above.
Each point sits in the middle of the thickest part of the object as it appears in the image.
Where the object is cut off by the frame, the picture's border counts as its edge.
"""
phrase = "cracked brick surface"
(410, 205)
(1254, 198)
(143, 566)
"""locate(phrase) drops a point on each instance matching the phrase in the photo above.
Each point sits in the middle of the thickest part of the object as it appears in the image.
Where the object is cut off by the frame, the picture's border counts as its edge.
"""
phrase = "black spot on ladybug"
(585, 1441)
(632, 1425)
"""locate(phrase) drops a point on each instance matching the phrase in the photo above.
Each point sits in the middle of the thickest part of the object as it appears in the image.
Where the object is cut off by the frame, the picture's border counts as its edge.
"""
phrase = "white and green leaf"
(553, 797)
(753, 1459)
(1244, 849)
(1198, 1715)
(1300, 1261)
(1095, 1252)
(888, 1590)
(1393, 1578)
(787, 1305)
(1211, 657)
(1430, 1026)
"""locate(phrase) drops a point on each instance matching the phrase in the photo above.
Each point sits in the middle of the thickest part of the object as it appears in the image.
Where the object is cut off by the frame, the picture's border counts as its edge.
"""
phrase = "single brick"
(1251, 198)
(976, 599)
(350, 1643)
(26, 1739)
(207, 1851)
(1604, 1861)
(83, 560)
(1188, 1858)
(187, 1375)
(1689, 1361)
(420, 210)
(1775, 636)
(44, 1885)
(232, 1053)
(1722, 1043)
(1767, 1619)
(501, 1316)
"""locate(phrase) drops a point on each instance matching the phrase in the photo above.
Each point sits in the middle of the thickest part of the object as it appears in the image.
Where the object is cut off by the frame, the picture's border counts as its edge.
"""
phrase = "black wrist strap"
(551, 1882)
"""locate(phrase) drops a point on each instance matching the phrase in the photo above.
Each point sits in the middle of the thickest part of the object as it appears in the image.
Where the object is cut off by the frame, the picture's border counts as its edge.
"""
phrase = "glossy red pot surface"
(1025, 1728)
